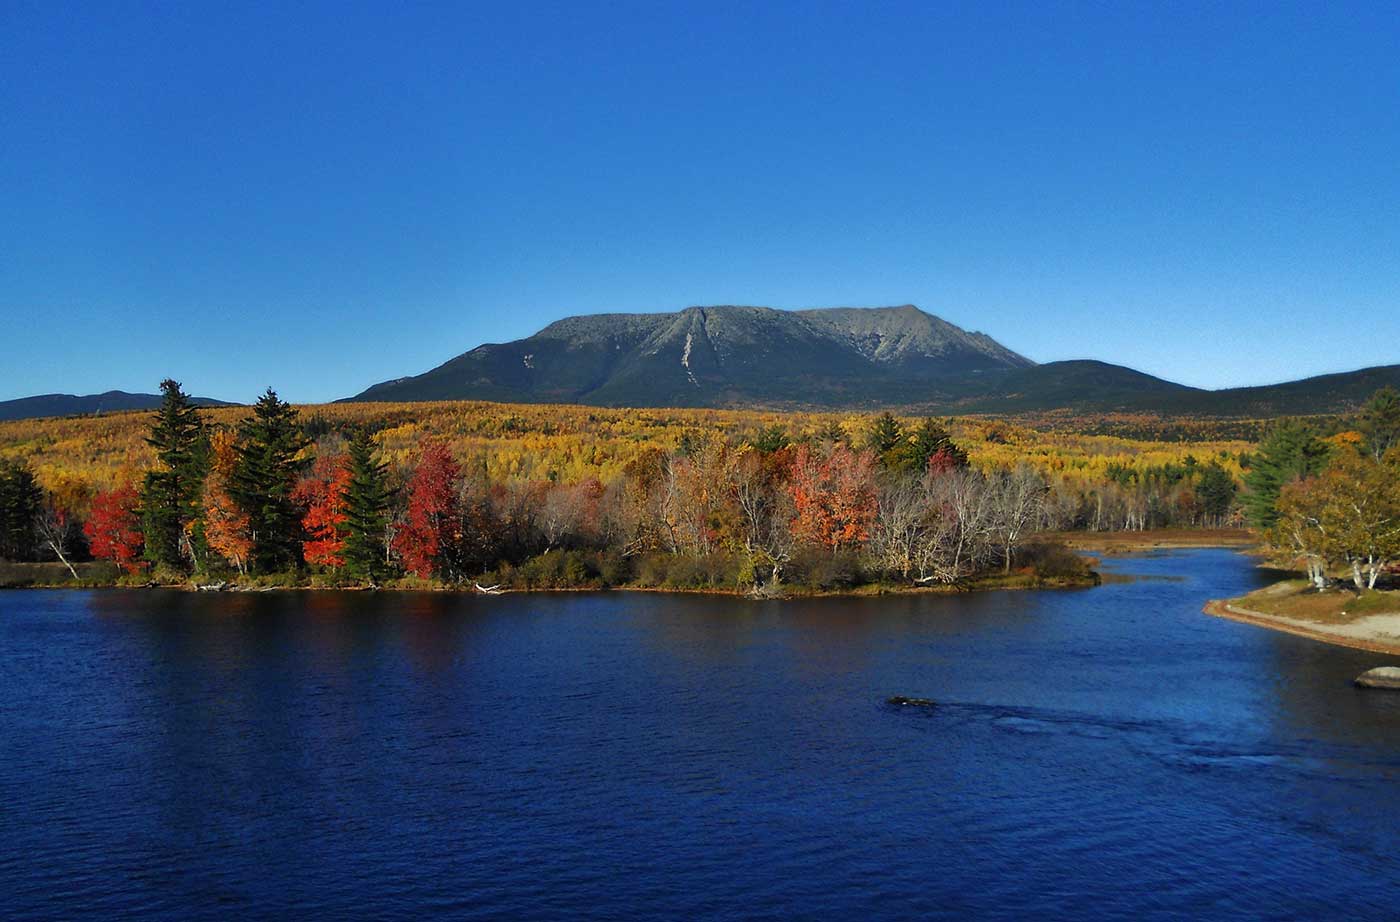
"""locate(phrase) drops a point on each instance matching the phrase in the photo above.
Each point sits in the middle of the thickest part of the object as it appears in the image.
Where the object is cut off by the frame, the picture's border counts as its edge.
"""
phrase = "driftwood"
(488, 590)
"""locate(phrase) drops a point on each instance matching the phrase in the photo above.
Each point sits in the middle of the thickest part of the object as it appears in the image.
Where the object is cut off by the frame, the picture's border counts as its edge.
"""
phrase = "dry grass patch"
(1295, 599)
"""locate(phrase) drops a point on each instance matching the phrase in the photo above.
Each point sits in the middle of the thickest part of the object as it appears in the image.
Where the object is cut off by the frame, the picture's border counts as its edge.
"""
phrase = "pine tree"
(1216, 490)
(1290, 452)
(366, 509)
(885, 434)
(264, 478)
(1380, 422)
(21, 501)
(831, 433)
(929, 440)
(770, 439)
(170, 494)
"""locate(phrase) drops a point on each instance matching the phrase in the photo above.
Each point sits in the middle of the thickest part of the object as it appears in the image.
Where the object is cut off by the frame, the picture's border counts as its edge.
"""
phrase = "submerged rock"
(1380, 677)
(903, 701)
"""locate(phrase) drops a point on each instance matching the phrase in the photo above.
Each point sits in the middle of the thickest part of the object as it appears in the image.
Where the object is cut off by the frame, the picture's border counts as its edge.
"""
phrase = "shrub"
(1050, 561)
(817, 568)
(559, 569)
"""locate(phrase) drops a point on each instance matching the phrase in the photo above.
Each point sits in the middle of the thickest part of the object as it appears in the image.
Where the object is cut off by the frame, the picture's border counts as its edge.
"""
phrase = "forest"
(495, 495)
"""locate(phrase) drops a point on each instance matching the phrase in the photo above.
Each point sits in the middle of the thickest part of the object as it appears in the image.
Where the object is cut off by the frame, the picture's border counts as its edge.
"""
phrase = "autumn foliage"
(834, 494)
(226, 527)
(567, 496)
(322, 494)
(426, 538)
(113, 528)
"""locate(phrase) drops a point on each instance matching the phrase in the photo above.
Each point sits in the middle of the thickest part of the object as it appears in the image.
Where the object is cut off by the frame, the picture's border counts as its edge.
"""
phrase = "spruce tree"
(267, 463)
(885, 434)
(1380, 422)
(170, 494)
(930, 439)
(1291, 451)
(366, 509)
(1216, 491)
(770, 439)
(831, 433)
(21, 501)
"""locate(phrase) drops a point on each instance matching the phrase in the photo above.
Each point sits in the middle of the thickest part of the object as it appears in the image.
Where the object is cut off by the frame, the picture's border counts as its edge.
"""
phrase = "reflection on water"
(1097, 753)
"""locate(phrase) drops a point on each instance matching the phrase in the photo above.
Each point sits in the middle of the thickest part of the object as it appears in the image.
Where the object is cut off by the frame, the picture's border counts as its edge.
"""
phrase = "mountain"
(720, 356)
(856, 358)
(88, 405)
(1080, 384)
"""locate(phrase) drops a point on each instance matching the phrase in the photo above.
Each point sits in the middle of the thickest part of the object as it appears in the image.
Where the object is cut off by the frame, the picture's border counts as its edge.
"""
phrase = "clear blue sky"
(320, 197)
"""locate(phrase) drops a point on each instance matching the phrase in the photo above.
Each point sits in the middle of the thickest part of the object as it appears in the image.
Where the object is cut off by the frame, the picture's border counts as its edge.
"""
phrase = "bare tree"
(1017, 499)
(902, 523)
(560, 515)
(960, 538)
(54, 528)
(766, 511)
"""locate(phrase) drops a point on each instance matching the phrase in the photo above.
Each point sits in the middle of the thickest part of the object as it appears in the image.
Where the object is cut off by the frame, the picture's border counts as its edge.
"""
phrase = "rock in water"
(1380, 677)
(902, 701)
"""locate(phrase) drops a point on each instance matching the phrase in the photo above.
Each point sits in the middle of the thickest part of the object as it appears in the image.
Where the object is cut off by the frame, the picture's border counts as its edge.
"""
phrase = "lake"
(1102, 753)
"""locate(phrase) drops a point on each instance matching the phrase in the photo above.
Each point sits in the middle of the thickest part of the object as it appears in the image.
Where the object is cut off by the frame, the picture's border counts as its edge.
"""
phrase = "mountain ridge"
(830, 358)
(46, 405)
(715, 356)
(841, 358)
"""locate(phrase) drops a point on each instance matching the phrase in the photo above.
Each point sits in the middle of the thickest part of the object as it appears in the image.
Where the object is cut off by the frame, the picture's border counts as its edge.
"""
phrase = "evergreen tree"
(1380, 422)
(885, 434)
(930, 439)
(21, 501)
(771, 439)
(366, 509)
(1216, 490)
(170, 494)
(1291, 451)
(267, 463)
(830, 432)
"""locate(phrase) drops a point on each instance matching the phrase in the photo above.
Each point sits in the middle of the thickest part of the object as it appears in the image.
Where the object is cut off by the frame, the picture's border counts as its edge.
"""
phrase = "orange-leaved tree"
(226, 527)
(833, 491)
(322, 494)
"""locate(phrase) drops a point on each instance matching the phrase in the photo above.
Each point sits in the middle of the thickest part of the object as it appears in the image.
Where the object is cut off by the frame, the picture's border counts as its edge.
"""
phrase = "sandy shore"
(1376, 633)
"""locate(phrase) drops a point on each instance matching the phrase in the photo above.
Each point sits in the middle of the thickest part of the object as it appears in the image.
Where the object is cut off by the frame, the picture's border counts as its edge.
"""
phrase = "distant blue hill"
(88, 405)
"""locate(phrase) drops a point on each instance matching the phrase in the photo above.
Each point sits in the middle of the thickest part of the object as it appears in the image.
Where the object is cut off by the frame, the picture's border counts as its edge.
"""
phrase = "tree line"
(280, 494)
(1332, 502)
(264, 501)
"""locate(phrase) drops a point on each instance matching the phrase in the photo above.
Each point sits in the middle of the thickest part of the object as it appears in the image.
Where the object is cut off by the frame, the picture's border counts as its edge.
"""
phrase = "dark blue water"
(1108, 753)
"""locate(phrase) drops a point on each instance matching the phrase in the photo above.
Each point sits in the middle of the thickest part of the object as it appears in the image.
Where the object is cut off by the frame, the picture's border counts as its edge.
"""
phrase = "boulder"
(1380, 677)
(903, 701)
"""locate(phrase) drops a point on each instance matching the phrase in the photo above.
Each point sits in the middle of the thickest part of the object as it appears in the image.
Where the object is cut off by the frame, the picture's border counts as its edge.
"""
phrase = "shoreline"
(1223, 608)
(869, 591)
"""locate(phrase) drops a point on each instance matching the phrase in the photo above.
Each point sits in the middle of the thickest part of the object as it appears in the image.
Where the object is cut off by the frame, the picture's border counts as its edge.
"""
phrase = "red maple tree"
(433, 523)
(113, 529)
(942, 461)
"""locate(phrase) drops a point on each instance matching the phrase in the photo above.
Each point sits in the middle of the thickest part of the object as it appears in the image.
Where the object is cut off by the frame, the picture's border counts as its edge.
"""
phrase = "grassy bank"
(1128, 542)
(1363, 620)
